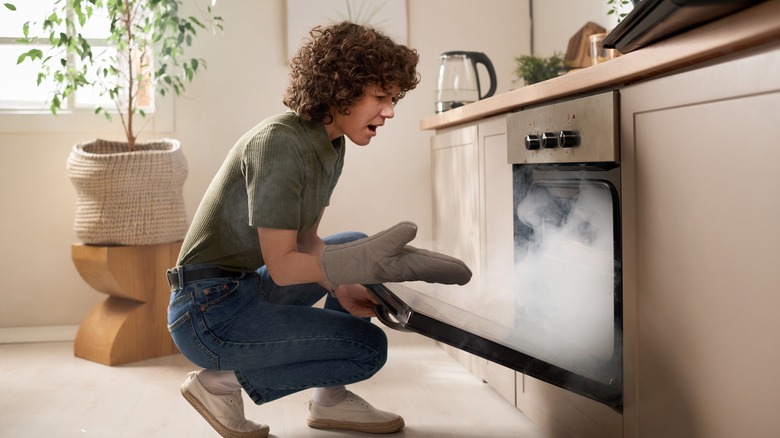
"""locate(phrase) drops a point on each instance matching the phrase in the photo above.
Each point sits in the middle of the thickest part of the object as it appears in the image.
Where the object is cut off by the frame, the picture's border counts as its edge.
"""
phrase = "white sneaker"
(225, 413)
(353, 413)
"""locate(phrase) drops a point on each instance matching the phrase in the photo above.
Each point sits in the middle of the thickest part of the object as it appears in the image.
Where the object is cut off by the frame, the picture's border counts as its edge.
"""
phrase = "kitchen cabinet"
(454, 155)
(701, 244)
(702, 249)
(564, 414)
(473, 220)
(472, 217)
(497, 244)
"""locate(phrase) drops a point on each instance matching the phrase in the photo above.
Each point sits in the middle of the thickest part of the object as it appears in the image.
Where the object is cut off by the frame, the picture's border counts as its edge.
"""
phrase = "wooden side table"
(131, 324)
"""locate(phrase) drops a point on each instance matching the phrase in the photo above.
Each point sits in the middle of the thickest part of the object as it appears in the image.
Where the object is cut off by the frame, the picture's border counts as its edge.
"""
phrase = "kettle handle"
(481, 58)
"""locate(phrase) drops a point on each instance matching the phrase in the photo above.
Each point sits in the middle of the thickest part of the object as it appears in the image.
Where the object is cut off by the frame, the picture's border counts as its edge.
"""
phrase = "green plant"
(147, 42)
(616, 8)
(535, 69)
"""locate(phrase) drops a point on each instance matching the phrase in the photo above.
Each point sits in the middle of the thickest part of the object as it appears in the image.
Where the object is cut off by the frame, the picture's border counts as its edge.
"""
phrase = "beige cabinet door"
(456, 215)
(497, 242)
(473, 221)
(456, 195)
(702, 252)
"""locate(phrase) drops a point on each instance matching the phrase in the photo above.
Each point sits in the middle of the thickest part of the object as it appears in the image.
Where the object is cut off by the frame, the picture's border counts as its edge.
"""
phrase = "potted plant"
(535, 69)
(129, 192)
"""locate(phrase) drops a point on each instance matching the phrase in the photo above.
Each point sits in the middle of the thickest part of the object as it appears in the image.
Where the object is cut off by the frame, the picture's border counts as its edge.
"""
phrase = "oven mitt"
(385, 257)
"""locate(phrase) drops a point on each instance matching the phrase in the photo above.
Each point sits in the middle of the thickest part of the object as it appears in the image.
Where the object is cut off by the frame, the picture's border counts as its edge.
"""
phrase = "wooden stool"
(131, 324)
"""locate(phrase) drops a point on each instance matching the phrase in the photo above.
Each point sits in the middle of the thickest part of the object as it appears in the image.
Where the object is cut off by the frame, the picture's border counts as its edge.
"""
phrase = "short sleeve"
(275, 177)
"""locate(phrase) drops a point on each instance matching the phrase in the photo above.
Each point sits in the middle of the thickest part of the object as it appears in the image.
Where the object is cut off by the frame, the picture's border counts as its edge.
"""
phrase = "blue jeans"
(272, 338)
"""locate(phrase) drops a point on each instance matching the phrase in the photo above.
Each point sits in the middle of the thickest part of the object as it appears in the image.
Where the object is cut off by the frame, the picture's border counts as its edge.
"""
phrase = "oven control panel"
(582, 130)
(564, 139)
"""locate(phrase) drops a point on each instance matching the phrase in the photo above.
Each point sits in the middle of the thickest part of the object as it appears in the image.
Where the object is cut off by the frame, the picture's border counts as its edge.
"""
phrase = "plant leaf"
(32, 54)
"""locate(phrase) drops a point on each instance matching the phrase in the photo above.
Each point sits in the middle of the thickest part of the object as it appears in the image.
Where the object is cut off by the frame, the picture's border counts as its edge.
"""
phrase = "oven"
(568, 265)
(562, 322)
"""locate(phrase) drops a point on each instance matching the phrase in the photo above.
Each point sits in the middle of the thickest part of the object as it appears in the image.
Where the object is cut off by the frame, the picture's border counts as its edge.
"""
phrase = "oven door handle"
(383, 315)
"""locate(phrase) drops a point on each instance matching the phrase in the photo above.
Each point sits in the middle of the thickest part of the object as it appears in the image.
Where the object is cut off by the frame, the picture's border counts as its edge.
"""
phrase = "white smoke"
(552, 295)
(564, 276)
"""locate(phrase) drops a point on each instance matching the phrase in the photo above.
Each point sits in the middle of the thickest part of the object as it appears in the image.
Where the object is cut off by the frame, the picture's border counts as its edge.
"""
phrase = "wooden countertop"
(745, 29)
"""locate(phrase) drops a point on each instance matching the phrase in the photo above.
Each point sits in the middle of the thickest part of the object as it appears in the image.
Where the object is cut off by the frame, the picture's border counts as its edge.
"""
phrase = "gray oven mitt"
(385, 257)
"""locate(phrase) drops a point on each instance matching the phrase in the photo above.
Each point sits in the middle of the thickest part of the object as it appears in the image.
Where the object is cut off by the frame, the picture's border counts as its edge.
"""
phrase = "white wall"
(383, 183)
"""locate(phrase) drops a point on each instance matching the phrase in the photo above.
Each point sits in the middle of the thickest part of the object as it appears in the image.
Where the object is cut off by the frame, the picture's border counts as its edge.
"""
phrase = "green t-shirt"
(280, 174)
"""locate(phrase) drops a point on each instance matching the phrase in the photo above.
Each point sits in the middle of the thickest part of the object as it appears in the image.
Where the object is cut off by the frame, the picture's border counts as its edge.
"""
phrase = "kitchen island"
(700, 209)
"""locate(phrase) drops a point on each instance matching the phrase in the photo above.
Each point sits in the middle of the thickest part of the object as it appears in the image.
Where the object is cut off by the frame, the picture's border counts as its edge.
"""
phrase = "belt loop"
(180, 273)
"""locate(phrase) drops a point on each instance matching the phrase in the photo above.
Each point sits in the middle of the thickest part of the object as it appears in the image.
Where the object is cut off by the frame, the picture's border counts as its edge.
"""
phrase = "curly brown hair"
(332, 69)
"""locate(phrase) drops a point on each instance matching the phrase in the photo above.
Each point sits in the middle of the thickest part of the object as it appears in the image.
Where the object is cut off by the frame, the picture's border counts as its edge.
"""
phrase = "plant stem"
(130, 95)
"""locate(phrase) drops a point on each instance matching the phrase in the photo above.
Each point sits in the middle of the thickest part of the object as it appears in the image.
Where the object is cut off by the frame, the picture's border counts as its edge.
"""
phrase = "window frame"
(159, 118)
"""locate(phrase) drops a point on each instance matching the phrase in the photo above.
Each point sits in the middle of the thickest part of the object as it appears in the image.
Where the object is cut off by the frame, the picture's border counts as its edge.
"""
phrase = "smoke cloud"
(565, 274)
(549, 287)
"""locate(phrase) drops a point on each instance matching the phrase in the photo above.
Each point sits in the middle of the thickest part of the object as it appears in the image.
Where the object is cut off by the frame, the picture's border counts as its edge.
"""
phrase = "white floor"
(46, 391)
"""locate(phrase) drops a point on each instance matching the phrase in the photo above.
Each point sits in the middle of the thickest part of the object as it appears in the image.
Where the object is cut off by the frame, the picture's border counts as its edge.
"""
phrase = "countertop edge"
(745, 29)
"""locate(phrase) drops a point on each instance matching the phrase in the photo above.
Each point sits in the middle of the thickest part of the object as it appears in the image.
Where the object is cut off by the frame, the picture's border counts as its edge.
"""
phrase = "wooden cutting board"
(578, 51)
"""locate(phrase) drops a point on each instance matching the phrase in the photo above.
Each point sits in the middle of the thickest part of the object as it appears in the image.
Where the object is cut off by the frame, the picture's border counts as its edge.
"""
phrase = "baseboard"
(53, 333)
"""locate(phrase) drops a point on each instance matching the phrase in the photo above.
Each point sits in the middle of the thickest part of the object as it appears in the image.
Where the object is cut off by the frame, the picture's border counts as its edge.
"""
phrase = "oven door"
(406, 309)
(564, 324)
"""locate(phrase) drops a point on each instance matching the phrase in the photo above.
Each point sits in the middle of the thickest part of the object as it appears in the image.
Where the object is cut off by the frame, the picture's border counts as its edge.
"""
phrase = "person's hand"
(356, 300)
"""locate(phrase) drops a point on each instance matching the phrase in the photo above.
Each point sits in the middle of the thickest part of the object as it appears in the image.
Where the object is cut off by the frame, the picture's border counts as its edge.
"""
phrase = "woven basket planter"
(129, 198)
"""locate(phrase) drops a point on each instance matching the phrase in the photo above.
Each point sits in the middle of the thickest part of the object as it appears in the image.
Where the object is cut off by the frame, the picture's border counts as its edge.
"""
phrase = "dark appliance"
(654, 20)
(566, 311)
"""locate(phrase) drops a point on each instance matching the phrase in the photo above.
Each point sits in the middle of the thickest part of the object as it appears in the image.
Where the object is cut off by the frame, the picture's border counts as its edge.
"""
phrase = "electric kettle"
(459, 80)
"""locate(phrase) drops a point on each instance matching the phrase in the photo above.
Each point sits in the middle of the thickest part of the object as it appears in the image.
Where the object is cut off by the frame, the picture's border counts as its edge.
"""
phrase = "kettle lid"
(457, 53)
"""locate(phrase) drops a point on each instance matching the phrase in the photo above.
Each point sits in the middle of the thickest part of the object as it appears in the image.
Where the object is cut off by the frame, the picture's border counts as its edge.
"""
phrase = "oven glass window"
(567, 269)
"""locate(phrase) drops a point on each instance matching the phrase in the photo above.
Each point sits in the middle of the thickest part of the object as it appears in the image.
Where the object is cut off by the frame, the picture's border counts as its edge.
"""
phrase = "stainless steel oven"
(565, 323)
(568, 265)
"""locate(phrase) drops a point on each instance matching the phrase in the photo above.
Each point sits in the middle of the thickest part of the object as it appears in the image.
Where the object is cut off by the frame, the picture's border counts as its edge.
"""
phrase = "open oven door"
(405, 309)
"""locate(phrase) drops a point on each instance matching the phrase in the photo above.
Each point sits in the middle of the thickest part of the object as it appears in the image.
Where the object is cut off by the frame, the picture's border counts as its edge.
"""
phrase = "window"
(21, 98)
(18, 89)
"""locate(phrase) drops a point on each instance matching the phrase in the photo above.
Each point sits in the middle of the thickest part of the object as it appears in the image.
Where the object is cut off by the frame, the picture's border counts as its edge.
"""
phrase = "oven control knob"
(531, 142)
(569, 139)
(549, 140)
